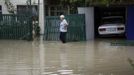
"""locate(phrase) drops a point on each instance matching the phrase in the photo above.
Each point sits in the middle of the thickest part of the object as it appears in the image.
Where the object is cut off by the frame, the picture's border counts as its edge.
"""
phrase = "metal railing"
(76, 28)
(15, 27)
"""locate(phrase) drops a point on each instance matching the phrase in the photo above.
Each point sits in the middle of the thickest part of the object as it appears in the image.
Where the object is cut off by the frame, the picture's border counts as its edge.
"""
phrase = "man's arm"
(65, 22)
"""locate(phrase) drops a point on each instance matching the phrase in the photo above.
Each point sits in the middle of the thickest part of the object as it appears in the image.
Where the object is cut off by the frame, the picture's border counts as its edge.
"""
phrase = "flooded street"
(74, 58)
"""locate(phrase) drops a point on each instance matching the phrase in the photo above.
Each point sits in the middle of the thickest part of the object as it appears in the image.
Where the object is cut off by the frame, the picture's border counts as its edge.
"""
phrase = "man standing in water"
(63, 29)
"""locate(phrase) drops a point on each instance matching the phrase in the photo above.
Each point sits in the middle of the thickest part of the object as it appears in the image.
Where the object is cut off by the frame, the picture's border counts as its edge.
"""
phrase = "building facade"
(7, 6)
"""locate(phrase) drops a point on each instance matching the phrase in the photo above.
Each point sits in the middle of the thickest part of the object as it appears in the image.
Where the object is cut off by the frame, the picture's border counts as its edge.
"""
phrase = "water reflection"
(54, 58)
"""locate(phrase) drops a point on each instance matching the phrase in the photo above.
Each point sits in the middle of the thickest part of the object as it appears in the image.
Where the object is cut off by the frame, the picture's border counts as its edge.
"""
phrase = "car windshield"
(112, 20)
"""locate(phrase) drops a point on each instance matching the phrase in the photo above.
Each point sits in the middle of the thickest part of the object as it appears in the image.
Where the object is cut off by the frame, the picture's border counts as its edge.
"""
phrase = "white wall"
(4, 10)
(89, 17)
(15, 3)
(41, 16)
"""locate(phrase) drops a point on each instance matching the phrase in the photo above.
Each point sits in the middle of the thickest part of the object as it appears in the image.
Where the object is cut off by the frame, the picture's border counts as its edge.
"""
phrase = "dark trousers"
(63, 37)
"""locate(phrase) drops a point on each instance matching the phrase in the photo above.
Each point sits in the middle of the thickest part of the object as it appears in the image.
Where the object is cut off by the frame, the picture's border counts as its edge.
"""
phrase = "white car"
(112, 25)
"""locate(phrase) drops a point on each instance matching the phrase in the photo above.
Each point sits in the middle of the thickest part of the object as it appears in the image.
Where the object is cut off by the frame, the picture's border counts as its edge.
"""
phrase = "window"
(0, 12)
(0, 9)
(53, 10)
(26, 10)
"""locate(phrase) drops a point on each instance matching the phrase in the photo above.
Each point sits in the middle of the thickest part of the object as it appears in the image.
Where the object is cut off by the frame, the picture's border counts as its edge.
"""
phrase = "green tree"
(73, 4)
(98, 2)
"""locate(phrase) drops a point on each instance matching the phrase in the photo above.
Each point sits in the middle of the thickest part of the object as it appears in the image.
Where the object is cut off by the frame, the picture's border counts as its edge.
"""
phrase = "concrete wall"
(89, 17)
(15, 3)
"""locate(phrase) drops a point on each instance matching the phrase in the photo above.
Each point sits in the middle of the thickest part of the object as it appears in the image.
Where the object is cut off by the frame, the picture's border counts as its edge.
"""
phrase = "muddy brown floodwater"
(74, 58)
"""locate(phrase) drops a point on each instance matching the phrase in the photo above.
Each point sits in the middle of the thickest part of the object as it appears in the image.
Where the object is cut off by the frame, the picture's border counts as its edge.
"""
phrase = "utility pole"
(42, 15)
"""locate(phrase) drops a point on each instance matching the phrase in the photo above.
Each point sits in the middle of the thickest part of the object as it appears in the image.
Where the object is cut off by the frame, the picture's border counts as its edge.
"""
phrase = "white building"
(15, 4)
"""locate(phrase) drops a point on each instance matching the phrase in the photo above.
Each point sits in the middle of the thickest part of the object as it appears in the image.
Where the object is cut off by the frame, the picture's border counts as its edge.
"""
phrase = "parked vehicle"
(112, 25)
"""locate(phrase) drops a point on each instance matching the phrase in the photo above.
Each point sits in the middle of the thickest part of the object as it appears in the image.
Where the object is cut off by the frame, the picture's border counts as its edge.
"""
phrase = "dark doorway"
(101, 12)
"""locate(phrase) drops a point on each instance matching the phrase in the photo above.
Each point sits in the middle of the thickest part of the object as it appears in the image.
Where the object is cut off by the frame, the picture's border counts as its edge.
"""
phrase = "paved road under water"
(74, 58)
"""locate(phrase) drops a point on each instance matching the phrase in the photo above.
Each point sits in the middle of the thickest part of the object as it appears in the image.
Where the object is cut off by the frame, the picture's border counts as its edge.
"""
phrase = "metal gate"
(15, 27)
(76, 29)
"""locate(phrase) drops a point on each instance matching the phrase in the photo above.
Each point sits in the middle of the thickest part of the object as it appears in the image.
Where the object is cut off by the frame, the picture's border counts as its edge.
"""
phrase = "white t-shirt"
(63, 26)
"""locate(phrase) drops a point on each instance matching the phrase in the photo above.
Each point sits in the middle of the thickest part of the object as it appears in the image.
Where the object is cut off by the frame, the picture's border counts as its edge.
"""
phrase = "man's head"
(62, 17)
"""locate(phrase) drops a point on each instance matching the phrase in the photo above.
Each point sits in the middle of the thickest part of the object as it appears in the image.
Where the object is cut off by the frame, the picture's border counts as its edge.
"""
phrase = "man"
(63, 29)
